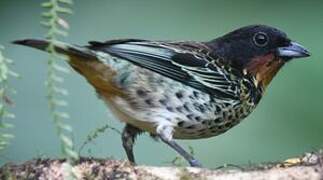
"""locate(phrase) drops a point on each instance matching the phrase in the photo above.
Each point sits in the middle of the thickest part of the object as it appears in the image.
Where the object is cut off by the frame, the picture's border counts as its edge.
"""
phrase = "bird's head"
(258, 50)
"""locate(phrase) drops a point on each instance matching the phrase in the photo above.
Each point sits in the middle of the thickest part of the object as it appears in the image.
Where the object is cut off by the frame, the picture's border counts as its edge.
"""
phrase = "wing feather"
(191, 65)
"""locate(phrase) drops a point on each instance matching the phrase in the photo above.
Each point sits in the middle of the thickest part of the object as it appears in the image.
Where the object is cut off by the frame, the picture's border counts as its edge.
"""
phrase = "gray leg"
(191, 160)
(128, 136)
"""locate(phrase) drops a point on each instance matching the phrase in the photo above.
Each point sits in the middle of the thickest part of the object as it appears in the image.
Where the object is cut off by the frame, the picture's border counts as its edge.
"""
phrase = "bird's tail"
(83, 60)
(60, 47)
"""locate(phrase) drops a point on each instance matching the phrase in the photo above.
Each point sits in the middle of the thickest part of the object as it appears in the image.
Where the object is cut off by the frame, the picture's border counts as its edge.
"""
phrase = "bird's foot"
(195, 163)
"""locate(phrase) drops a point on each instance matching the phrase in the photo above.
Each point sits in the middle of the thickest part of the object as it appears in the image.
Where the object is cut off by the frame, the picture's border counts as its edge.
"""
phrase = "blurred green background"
(287, 122)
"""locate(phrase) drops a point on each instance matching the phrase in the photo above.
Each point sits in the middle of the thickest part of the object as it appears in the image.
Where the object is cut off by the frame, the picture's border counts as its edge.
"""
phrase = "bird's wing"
(187, 62)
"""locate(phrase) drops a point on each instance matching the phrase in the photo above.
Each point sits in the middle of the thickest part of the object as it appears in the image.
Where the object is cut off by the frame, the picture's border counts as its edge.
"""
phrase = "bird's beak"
(293, 50)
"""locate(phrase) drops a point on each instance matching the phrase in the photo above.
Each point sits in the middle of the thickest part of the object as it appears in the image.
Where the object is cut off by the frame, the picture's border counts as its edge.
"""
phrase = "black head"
(243, 45)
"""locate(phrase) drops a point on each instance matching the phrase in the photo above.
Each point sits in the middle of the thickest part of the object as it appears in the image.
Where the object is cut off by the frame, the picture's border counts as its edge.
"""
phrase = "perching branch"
(308, 166)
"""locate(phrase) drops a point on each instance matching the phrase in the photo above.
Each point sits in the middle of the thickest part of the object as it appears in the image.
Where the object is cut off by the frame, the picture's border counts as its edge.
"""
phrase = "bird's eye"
(260, 39)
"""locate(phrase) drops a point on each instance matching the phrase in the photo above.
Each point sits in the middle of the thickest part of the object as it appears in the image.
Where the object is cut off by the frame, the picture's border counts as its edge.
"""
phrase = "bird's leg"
(164, 136)
(128, 136)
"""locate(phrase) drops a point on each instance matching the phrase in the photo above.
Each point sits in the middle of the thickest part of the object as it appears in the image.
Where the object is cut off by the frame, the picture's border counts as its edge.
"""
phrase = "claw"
(195, 163)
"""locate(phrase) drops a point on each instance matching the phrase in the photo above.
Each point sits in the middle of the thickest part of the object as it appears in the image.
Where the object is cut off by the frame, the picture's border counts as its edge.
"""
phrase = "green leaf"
(71, 153)
(61, 91)
(64, 10)
(58, 102)
(63, 115)
(63, 23)
(13, 74)
(66, 141)
(61, 56)
(61, 32)
(47, 15)
(66, 127)
(5, 125)
(9, 115)
(3, 143)
(9, 61)
(61, 68)
(46, 24)
(66, 1)
(47, 5)
(57, 78)
(7, 136)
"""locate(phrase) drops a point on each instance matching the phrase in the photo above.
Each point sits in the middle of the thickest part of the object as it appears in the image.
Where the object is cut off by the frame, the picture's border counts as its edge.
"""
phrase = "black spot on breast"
(212, 101)
(214, 131)
(207, 106)
(186, 107)
(201, 130)
(179, 94)
(149, 102)
(232, 88)
(141, 93)
(221, 127)
(201, 134)
(198, 118)
(199, 107)
(196, 94)
(217, 120)
(163, 101)
(190, 116)
(180, 123)
(123, 78)
(209, 123)
(179, 109)
(228, 105)
(170, 109)
(225, 115)
(241, 111)
(217, 109)
(160, 81)
(213, 127)
(237, 116)
(235, 123)
(228, 125)
(190, 127)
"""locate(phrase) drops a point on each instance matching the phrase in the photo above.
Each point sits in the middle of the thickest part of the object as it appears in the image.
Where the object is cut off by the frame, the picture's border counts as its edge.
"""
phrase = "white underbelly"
(124, 113)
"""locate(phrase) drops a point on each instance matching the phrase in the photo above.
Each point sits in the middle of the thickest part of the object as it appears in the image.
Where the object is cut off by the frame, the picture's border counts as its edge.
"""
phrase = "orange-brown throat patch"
(264, 68)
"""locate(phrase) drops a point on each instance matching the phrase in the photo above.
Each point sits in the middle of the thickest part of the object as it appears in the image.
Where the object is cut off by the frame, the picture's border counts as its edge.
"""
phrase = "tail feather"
(85, 62)
(60, 47)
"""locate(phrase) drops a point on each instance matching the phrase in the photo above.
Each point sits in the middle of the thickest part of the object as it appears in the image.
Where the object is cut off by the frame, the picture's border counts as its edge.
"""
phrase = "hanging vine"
(5, 90)
(58, 27)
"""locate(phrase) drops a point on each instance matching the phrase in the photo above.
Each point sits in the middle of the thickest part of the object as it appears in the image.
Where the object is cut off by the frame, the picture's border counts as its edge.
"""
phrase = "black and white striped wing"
(188, 63)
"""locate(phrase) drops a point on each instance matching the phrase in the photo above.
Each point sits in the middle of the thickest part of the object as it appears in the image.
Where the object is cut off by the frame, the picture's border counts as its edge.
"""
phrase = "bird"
(181, 89)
